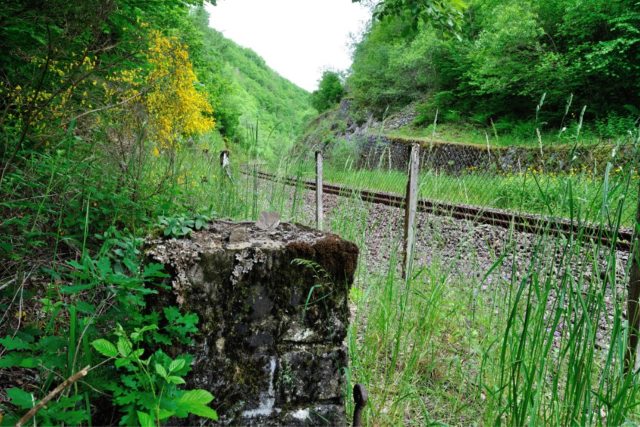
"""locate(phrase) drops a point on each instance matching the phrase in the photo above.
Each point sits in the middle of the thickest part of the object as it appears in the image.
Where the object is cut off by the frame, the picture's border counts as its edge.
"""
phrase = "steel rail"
(528, 223)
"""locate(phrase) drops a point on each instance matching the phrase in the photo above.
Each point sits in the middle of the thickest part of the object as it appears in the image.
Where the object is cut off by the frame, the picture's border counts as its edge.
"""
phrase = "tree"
(445, 14)
(329, 93)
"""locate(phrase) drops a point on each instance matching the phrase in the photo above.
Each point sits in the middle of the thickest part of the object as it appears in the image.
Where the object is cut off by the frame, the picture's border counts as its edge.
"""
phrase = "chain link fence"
(595, 184)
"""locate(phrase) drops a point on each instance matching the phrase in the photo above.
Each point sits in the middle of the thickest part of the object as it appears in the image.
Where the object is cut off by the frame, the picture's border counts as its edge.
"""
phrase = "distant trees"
(330, 91)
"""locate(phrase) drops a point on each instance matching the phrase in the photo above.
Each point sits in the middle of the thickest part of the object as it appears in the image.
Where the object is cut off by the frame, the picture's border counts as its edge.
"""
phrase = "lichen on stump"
(272, 327)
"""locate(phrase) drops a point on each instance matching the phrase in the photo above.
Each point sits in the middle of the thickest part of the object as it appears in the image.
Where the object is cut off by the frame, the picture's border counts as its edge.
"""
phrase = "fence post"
(633, 312)
(319, 190)
(411, 205)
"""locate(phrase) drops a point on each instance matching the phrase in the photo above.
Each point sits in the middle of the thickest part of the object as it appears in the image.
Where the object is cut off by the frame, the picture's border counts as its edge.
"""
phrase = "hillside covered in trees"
(112, 116)
(511, 65)
(250, 94)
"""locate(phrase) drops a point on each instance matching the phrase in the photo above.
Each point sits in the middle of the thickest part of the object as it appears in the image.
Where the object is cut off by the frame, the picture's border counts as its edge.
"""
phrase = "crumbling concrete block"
(273, 316)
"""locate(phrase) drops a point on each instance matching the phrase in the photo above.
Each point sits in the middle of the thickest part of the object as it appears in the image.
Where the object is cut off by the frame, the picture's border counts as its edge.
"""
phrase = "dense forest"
(518, 64)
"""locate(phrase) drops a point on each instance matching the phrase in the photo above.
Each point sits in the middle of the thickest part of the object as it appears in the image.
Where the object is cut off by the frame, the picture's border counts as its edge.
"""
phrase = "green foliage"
(329, 93)
(244, 91)
(446, 14)
(509, 55)
(179, 226)
(97, 294)
(81, 185)
(57, 412)
(148, 390)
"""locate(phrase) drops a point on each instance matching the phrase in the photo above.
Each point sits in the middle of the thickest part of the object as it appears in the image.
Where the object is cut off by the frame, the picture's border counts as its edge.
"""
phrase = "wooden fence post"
(633, 312)
(319, 214)
(411, 205)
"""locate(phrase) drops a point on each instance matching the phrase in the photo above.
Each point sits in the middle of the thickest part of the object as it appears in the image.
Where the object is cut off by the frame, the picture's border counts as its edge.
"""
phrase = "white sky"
(297, 38)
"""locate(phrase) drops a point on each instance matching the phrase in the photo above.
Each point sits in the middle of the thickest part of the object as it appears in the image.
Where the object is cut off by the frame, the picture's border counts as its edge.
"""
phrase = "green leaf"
(74, 289)
(176, 365)
(161, 371)
(138, 332)
(124, 346)
(119, 363)
(18, 359)
(175, 380)
(14, 343)
(105, 348)
(204, 411)
(145, 419)
(104, 266)
(131, 265)
(76, 265)
(21, 398)
(163, 414)
(52, 344)
(195, 402)
(154, 270)
(200, 397)
(85, 307)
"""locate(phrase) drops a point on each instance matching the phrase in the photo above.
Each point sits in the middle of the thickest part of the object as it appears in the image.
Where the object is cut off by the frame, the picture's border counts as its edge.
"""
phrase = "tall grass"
(536, 339)
(527, 340)
(521, 134)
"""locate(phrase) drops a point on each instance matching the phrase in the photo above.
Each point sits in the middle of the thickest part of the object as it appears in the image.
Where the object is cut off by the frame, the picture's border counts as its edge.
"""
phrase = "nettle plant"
(108, 291)
(148, 390)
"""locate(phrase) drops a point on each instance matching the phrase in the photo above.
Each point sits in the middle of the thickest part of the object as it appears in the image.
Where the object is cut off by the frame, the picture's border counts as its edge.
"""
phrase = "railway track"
(528, 223)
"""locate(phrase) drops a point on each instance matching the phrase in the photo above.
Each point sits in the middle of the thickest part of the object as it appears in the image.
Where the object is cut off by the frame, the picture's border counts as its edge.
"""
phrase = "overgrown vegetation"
(112, 116)
(532, 191)
(574, 60)
(329, 93)
(506, 329)
(251, 93)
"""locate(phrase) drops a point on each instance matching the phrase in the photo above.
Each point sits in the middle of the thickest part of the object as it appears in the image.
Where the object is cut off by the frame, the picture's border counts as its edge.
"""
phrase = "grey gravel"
(467, 252)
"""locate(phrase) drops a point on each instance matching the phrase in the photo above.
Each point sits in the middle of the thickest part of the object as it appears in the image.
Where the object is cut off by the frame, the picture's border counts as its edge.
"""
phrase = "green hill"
(249, 94)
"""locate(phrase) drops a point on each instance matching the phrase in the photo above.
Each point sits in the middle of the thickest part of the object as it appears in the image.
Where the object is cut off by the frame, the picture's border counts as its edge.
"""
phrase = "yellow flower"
(176, 108)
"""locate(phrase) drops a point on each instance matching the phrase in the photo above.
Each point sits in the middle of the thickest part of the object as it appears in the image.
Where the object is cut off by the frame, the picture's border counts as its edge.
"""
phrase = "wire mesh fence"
(587, 184)
(552, 303)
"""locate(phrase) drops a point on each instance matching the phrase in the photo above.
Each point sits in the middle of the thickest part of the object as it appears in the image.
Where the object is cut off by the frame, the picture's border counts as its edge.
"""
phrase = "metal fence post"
(411, 205)
(319, 214)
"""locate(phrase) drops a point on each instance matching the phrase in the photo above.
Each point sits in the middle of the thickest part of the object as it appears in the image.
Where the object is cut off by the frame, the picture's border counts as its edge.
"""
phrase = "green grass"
(451, 347)
(442, 348)
(530, 192)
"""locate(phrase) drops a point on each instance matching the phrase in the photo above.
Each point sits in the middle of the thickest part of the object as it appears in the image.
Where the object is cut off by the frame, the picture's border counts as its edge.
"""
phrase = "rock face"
(273, 317)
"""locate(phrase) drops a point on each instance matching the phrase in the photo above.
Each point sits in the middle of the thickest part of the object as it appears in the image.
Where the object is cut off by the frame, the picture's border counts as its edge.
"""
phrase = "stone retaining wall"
(380, 151)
